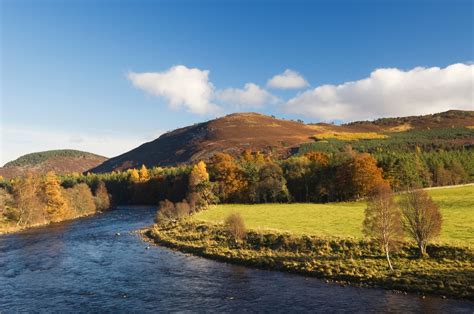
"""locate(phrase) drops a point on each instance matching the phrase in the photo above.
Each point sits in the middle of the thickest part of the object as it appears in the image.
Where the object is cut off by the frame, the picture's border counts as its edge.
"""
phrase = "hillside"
(60, 161)
(237, 132)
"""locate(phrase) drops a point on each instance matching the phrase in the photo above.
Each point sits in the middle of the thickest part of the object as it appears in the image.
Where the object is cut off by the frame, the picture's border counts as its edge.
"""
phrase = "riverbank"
(7, 227)
(447, 273)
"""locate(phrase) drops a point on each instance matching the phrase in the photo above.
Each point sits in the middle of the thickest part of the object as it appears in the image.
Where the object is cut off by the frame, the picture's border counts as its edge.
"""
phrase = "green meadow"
(345, 219)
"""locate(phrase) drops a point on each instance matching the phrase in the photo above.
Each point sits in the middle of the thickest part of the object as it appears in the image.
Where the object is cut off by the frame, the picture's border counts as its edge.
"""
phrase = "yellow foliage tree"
(56, 206)
(198, 174)
(144, 175)
(200, 193)
(28, 208)
(133, 175)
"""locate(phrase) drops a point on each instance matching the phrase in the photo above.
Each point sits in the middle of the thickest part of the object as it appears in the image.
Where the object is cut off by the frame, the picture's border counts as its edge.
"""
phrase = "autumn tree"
(383, 220)
(365, 175)
(27, 206)
(133, 175)
(102, 197)
(319, 158)
(200, 193)
(80, 200)
(56, 206)
(143, 174)
(422, 218)
(228, 175)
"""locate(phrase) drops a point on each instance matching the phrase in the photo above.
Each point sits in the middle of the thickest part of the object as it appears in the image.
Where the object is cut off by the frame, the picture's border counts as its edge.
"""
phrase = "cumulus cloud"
(182, 87)
(287, 80)
(390, 92)
(251, 96)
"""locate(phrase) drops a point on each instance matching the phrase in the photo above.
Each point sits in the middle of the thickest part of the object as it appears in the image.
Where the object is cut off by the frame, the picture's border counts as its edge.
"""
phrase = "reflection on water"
(83, 265)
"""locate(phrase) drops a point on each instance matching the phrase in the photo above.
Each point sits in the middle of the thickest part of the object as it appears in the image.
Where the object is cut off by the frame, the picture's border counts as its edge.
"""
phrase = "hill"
(60, 161)
(240, 131)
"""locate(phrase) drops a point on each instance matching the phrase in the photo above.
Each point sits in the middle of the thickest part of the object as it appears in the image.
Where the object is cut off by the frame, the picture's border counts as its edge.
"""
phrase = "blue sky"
(73, 72)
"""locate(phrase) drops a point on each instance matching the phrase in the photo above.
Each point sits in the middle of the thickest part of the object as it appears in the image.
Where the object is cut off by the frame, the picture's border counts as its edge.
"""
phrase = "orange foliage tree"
(228, 174)
(365, 174)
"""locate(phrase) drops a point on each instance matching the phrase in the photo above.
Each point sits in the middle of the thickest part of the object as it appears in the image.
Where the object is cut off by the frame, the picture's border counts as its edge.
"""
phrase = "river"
(84, 266)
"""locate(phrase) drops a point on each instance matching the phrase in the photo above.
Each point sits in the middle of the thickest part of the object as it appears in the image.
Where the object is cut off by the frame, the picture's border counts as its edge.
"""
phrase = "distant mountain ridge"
(237, 132)
(60, 161)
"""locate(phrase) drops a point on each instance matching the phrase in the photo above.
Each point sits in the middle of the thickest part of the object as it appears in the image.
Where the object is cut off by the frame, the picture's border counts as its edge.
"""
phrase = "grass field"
(345, 219)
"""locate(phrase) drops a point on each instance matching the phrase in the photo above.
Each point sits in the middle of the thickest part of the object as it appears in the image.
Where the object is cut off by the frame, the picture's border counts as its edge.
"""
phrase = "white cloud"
(390, 92)
(181, 87)
(287, 80)
(251, 96)
(20, 140)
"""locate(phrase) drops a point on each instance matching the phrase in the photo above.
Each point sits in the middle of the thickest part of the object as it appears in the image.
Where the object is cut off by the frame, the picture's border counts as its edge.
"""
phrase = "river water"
(83, 266)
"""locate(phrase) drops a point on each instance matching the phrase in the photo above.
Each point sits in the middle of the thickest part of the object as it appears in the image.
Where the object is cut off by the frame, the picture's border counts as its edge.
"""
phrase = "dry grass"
(349, 136)
(400, 128)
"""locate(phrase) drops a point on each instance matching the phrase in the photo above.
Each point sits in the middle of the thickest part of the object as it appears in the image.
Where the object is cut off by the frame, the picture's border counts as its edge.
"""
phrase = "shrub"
(235, 225)
(182, 209)
(166, 211)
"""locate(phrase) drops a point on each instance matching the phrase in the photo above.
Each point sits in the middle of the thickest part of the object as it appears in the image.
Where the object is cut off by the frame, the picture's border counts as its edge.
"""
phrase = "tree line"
(36, 199)
(254, 177)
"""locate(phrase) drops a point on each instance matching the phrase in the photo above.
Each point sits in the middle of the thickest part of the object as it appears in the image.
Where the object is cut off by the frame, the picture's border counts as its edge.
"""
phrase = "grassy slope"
(345, 219)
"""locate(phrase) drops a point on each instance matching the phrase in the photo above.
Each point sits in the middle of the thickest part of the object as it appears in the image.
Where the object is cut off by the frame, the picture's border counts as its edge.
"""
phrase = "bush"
(166, 211)
(182, 209)
(235, 225)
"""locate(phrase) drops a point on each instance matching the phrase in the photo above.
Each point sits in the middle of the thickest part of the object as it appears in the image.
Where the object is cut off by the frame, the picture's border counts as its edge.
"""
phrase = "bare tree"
(383, 220)
(421, 217)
